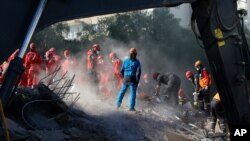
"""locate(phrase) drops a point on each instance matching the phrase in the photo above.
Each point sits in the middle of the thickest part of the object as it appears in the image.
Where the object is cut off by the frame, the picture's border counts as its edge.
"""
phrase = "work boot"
(201, 105)
(211, 131)
(118, 105)
(222, 126)
(181, 100)
(212, 126)
(132, 109)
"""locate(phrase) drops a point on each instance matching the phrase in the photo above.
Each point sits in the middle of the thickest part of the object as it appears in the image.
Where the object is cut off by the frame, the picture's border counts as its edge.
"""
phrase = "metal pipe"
(32, 27)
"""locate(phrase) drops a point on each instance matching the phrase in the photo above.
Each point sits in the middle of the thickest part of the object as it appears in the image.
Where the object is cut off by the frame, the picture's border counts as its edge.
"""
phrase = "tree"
(52, 36)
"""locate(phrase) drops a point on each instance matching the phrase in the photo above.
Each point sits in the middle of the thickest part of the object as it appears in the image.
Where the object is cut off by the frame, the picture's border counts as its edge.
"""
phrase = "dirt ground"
(96, 118)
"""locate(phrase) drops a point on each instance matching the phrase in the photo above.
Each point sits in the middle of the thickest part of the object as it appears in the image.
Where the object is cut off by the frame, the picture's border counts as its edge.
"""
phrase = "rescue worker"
(117, 63)
(181, 97)
(5, 65)
(52, 60)
(194, 79)
(146, 88)
(3, 69)
(93, 54)
(131, 72)
(217, 114)
(33, 64)
(190, 77)
(13, 55)
(69, 62)
(172, 85)
(1, 74)
(104, 77)
(204, 80)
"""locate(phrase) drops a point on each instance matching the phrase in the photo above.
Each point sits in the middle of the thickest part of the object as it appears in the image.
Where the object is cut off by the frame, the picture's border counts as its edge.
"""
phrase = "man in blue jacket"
(131, 72)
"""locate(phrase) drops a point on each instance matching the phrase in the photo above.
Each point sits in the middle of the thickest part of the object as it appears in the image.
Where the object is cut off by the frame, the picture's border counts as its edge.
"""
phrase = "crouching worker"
(131, 71)
(172, 85)
(217, 114)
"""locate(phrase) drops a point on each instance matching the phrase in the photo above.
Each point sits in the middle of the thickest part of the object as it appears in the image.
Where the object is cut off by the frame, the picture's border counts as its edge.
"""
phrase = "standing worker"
(117, 63)
(131, 72)
(217, 113)
(204, 80)
(33, 64)
(92, 62)
(172, 86)
(69, 64)
(52, 60)
(194, 79)
(146, 87)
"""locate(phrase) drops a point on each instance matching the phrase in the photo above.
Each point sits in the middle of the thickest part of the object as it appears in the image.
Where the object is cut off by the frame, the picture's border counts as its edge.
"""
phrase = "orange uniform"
(5, 65)
(52, 61)
(205, 79)
(68, 64)
(117, 66)
(13, 55)
(92, 60)
(1, 74)
(104, 77)
(33, 62)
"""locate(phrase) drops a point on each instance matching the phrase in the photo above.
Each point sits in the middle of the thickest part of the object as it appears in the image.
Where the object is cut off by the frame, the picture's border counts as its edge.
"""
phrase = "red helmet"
(48, 53)
(32, 46)
(66, 53)
(112, 55)
(189, 74)
(146, 76)
(155, 75)
(96, 47)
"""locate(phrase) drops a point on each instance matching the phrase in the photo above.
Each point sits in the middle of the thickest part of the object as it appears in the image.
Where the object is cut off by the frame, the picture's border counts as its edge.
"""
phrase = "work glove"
(206, 88)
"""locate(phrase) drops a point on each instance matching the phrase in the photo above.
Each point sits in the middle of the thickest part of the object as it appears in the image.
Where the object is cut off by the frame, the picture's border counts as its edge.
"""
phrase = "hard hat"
(198, 63)
(48, 53)
(32, 46)
(155, 75)
(189, 74)
(66, 53)
(112, 55)
(52, 49)
(132, 51)
(146, 76)
(96, 47)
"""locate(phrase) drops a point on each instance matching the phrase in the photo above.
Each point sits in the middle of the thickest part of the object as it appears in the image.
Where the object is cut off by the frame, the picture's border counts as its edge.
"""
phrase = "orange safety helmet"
(198, 63)
(189, 74)
(66, 53)
(96, 47)
(132, 51)
(32, 46)
(112, 55)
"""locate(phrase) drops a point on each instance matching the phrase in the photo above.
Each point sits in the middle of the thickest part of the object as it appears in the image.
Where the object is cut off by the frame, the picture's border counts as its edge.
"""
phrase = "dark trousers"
(204, 100)
(217, 113)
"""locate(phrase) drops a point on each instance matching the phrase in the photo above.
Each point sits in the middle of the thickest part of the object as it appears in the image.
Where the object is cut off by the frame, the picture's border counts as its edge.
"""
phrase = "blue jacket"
(131, 69)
